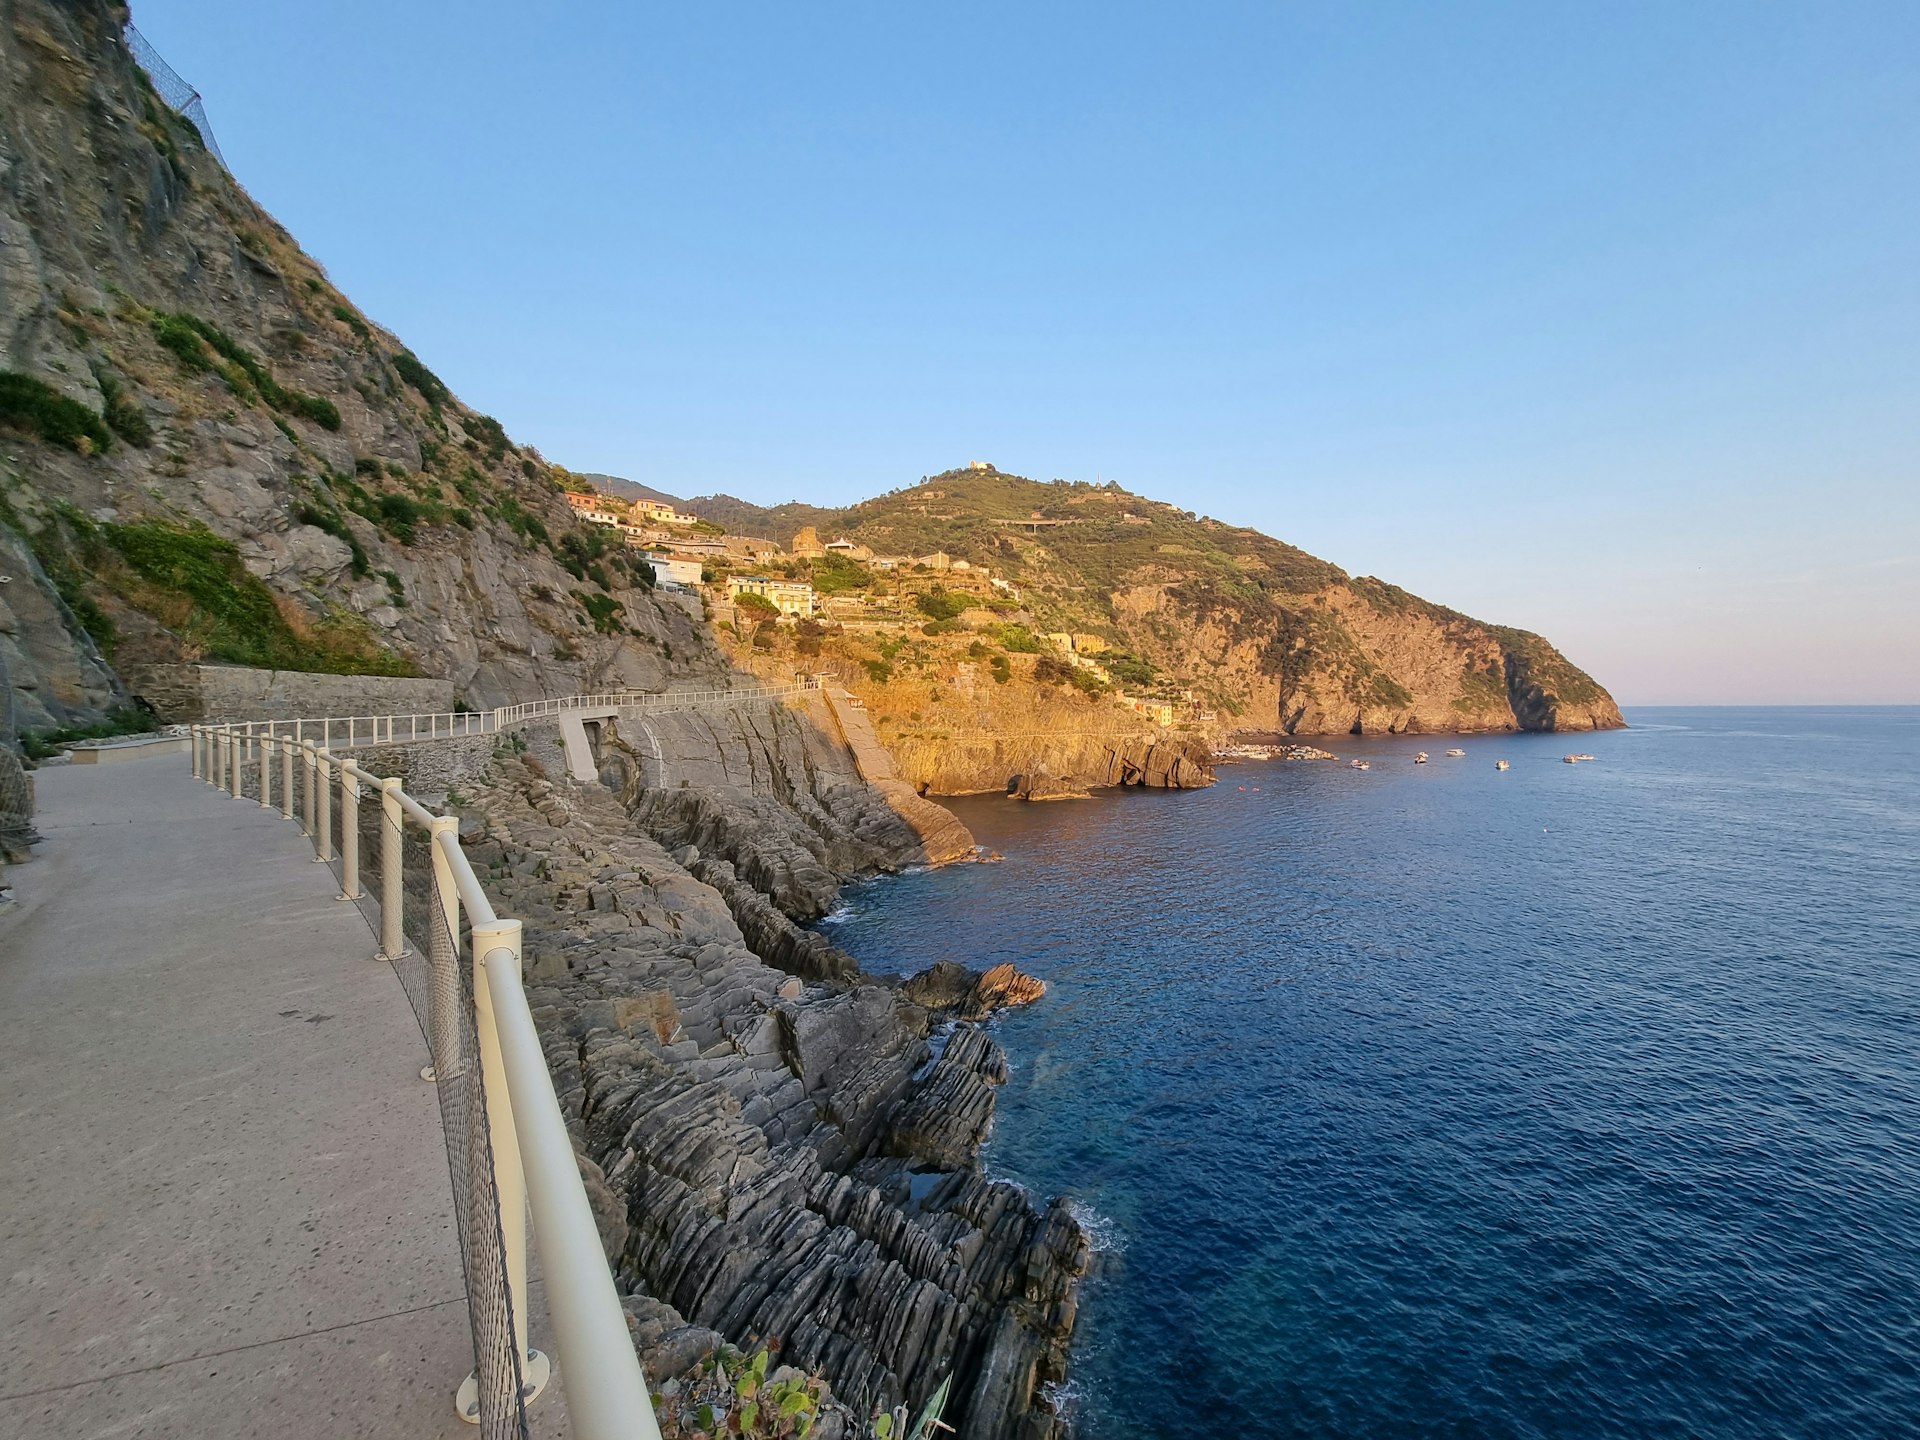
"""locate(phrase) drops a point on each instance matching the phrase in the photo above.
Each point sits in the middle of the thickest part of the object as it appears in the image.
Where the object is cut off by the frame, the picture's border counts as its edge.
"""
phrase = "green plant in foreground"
(731, 1395)
(925, 1424)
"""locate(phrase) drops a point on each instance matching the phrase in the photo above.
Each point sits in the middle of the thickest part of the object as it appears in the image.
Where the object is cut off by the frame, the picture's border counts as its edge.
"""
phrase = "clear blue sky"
(1603, 320)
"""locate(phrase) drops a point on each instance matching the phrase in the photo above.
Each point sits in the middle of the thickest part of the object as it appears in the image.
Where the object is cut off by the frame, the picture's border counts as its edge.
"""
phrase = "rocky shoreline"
(782, 1150)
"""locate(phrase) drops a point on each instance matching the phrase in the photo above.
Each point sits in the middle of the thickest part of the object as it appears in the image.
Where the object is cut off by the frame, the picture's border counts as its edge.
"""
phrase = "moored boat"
(1421, 758)
(1361, 764)
(1501, 765)
(1455, 754)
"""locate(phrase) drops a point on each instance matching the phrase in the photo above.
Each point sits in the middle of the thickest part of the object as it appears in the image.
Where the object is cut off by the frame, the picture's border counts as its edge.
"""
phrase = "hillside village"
(839, 597)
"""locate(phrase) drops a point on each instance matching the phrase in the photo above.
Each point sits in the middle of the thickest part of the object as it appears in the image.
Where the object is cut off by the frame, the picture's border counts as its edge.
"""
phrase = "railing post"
(306, 769)
(393, 939)
(193, 749)
(349, 834)
(323, 794)
(266, 771)
(236, 757)
(286, 779)
(503, 1136)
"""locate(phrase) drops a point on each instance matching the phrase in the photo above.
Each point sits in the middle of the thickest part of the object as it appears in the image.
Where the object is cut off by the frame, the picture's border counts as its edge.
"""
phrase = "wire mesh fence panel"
(173, 88)
(498, 1403)
(16, 806)
(248, 767)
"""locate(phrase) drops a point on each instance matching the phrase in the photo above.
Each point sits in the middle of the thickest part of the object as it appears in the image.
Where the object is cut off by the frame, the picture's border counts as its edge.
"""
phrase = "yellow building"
(789, 597)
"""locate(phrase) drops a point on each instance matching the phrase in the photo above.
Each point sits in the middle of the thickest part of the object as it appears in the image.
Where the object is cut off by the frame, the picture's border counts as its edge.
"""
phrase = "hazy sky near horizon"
(1599, 320)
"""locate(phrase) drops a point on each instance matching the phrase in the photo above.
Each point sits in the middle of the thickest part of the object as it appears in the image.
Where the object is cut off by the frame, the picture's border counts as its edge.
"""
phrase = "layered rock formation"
(784, 1153)
(1043, 766)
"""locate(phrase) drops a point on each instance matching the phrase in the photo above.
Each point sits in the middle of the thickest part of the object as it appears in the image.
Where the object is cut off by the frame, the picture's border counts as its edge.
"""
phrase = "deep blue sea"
(1437, 1101)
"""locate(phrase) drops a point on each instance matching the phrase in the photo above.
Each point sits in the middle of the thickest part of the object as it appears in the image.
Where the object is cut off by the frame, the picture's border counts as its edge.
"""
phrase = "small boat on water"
(1455, 754)
(1501, 765)
(1421, 758)
(1361, 764)
(1575, 759)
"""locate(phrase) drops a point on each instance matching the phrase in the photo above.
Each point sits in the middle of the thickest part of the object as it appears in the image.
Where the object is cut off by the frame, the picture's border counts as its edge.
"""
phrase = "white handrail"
(353, 732)
(606, 1393)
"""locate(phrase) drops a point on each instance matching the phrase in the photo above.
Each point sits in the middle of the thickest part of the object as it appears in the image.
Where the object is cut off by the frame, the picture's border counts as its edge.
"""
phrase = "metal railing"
(355, 732)
(507, 1141)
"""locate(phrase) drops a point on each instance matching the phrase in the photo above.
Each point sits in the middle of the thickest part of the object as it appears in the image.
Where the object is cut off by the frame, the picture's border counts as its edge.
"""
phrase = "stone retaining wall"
(185, 694)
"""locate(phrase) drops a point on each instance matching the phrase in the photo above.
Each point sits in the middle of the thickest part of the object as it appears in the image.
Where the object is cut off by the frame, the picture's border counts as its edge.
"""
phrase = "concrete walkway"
(223, 1189)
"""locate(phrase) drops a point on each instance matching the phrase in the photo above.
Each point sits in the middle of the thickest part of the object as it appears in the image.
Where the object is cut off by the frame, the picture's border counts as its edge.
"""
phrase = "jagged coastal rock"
(782, 1152)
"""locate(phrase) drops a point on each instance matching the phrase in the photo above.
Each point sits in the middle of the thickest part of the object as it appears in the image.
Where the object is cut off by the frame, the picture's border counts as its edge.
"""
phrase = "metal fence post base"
(535, 1371)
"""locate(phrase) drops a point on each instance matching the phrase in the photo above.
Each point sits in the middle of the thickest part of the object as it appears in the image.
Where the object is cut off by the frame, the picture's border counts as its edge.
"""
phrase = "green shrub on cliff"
(336, 526)
(122, 414)
(191, 338)
(837, 575)
(35, 406)
(432, 389)
(194, 583)
(940, 604)
(51, 548)
(602, 611)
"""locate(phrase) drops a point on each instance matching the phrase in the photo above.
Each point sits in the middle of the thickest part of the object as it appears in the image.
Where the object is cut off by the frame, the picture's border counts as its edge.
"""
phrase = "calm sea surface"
(1569, 1101)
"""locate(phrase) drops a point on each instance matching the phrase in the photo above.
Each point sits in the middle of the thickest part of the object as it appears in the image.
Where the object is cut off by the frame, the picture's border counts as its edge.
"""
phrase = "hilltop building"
(806, 544)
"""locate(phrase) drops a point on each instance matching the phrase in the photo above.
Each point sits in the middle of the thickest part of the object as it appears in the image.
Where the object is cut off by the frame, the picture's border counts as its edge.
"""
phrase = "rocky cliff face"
(770, 809)
(1213, 617)
(964, 764)
(170, 359)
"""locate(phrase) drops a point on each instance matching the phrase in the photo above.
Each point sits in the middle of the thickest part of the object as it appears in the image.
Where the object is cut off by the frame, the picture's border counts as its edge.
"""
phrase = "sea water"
(1570, 1100)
